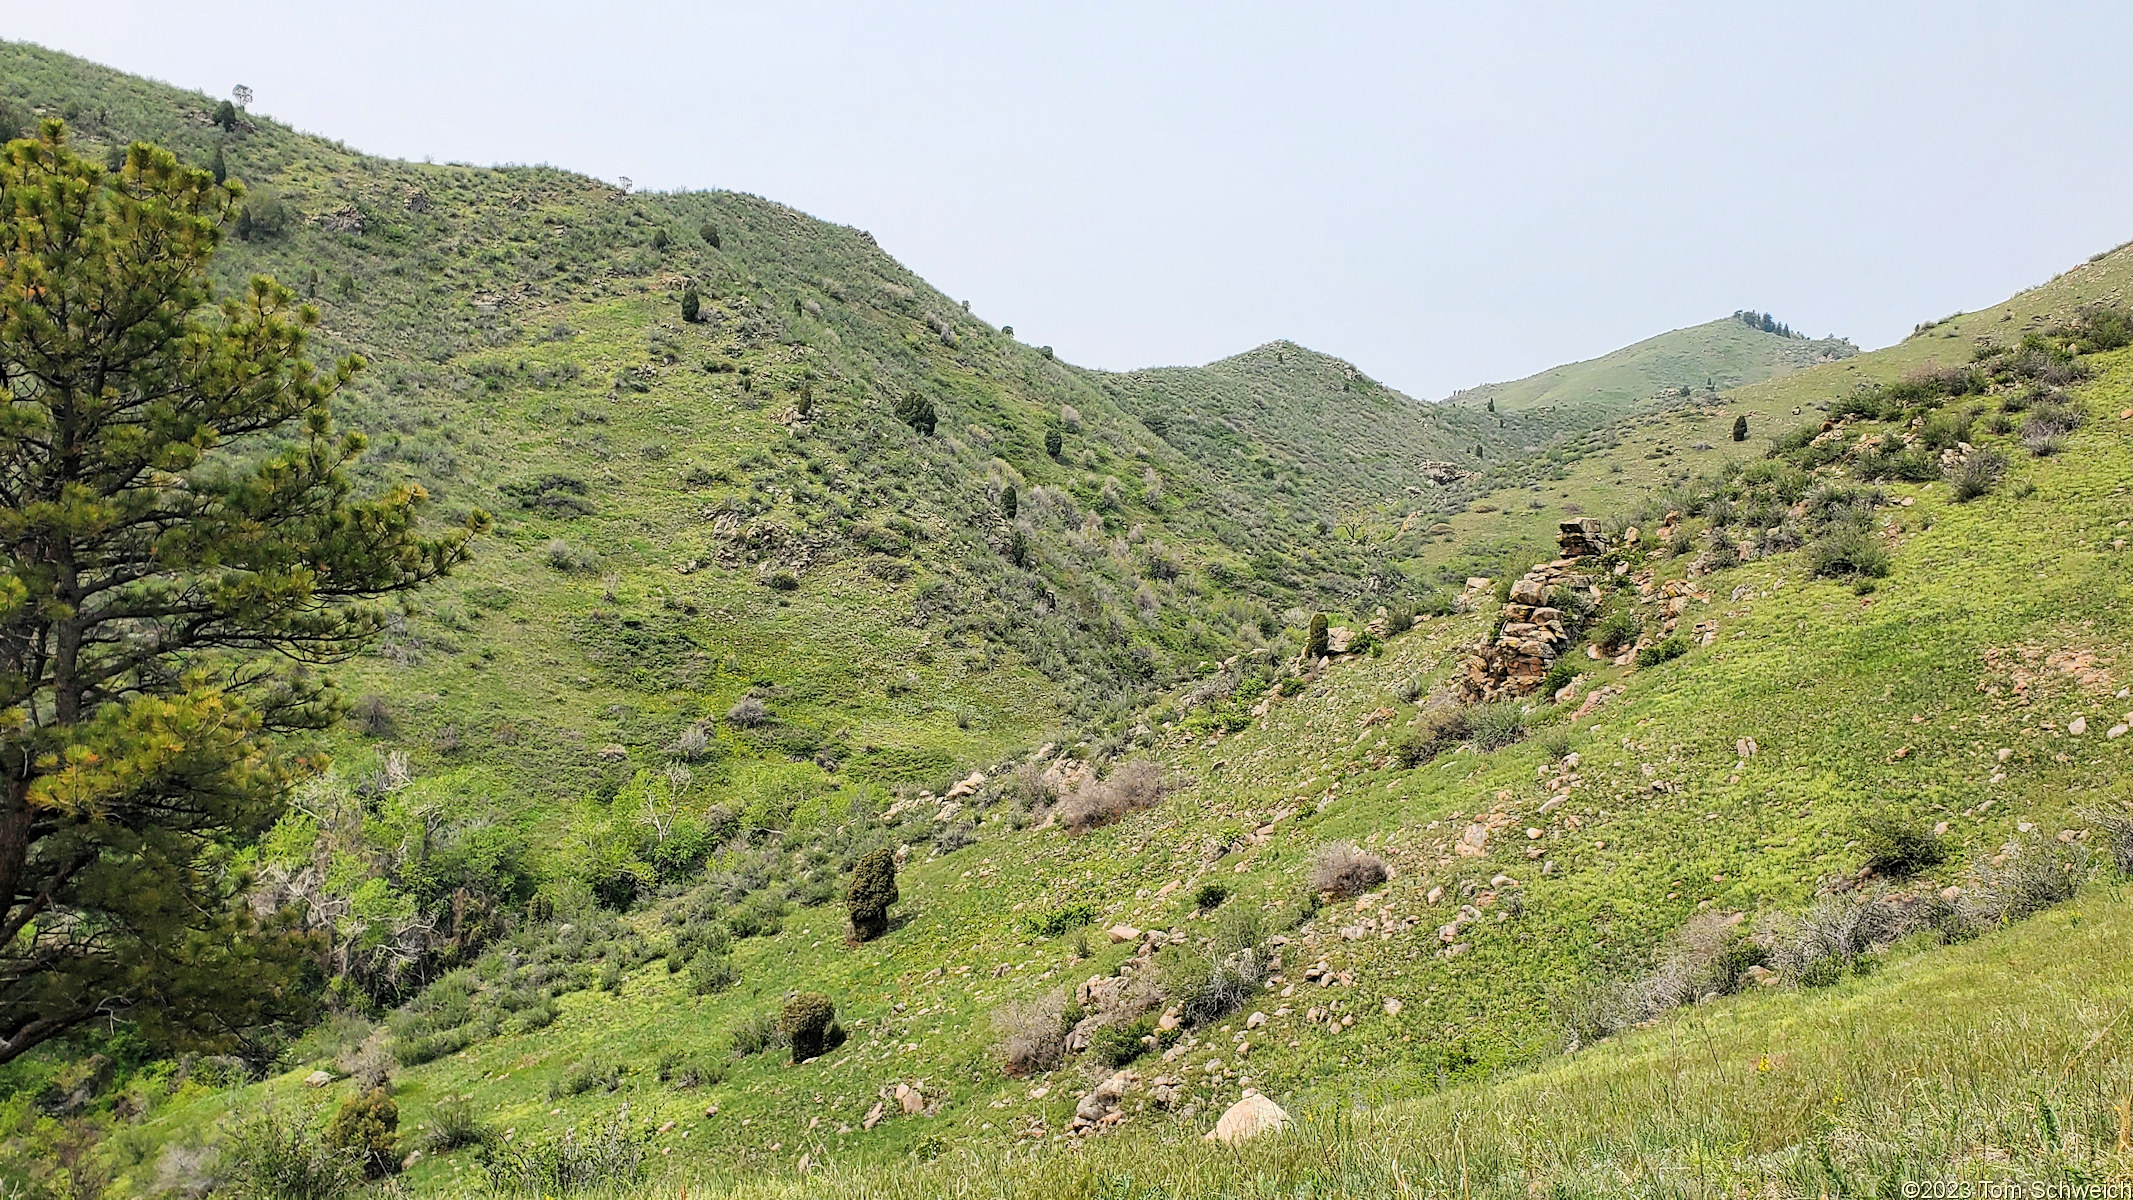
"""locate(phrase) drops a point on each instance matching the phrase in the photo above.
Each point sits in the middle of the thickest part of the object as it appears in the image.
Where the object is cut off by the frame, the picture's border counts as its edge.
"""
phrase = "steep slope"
(1716, 355)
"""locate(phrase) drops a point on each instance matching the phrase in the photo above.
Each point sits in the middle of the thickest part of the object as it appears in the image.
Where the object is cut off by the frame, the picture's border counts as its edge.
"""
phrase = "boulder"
(318, 1079)
(1123, 933)
(910, 1099)
(1247, 1119)
(967, 787)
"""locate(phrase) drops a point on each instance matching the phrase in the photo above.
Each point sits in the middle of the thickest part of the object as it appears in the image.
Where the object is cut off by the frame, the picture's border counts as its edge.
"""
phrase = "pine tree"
(1740, 428)
(871, 892)
(179, 549)
(1054, 442)
(1008, 502)
(710, 234)
(215, 165)
(916, 411)
(1315, 638)
(692, 305)
(226, 116)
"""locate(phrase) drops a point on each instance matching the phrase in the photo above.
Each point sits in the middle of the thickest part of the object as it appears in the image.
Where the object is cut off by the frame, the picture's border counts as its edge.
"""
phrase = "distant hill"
(1714, 356)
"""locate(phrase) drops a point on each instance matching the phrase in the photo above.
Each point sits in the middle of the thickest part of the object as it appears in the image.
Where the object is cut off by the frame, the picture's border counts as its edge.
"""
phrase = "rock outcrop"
(1533, 636)
(1247, 1119)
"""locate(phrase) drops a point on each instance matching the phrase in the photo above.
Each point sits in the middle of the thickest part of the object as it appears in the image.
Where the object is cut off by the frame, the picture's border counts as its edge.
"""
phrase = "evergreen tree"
(810, 1021)
(916, 411)
(692, 305)
(710, 234)
(1315, 638)
(1740, 428)
(215, 165)
(179, 549)
(1054, 442)
(871, 892)
(1008, 501)
(226, 116)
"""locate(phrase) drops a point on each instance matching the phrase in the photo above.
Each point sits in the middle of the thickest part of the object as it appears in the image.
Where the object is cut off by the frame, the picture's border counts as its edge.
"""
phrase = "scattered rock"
(1393, 1006)
(318, 1079)
(1255, 1020)
(967, 787)
(2078, 726)
(910, 1099)
(613, 752)
(1123, 933)
(873, 1116)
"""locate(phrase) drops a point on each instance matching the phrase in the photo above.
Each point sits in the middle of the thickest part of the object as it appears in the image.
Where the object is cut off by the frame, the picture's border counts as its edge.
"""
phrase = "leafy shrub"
(690, 1069)
(610, 1156)
(277, 1155)
(1666, 650)
(1206, 982)
(2116, 826)
(711, 971)
(1060, 920)
(917, 411)
(571, 560)
(1896, 845)
(1120, 1045)
(2098, 329)
(872, 891)
(692, 303)
(1209, 896)
(806, 1022)
(2048, 424)
(1495, 726)
(1616, 630)
(1033, 1034)
(756, 1033)
(1707, 955)
(585, 1075)
(1435, 732)
(1975, 474)
(1345, 870)
(367, 1128)
(1847, 551)
(453, 1123)
(1131, 786)
(1890, 462)
(1315, 638)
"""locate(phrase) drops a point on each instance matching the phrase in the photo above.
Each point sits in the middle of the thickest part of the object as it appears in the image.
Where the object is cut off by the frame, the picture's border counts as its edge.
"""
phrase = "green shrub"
(1344, 870)
(454, 1123)
(1209, 896)
(1847, 551)
(711, 971)
(1740, 428)
(1054, 442)
(1665, 650)
(757, 1032)
(1975, 475)
(916, 411)
(277, 1155)
(1495, 726)
(1438, 730)
(1896, 845)
(584, 1076)
(871, 892)
(1059, 920)
(1617, 629)
(611, 1157)
(691, 304)
(806, 1022)
(1559, 675)
(709, 233)
(367, 1128)
(1120, 1045)
(691, 1069)
(1315, 638)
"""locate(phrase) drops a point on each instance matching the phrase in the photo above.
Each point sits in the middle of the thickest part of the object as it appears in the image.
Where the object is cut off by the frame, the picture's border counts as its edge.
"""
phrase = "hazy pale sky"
(1442, 194)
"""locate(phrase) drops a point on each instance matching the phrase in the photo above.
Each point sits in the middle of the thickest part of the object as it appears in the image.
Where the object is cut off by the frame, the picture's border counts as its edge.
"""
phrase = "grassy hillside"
(1715, 356)
(742, 624)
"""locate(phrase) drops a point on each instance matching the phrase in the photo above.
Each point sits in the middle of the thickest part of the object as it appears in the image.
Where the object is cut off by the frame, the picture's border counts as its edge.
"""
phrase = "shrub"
(711, 971)
(1206, 982)
(1435, 732)
(692, 304)
(584, 1076)
(278, 1155)
(1120, 1045)
(571, 560)
(1315, 638)
(756, 1033)
(1847, 551)
(1209, 896)
(709, 233)
(1134, 785)
(2031, 879)
(1033, 1034)
(806, 1023)
(1345, 870)
(454, 1123)
(747, 713)
(2116, 826)
(916, 411)
(1740, 428)
(1495, 726)
(1897, 846)
(610, 1156)
(1060, 920)
(2048, 424)
(1616, 630)
(689, 1069)
(871, 892)
(1975, 474)
(1054, 442)
(374, 716)
(1665, 650)
(1707, 954)
(367, 1128)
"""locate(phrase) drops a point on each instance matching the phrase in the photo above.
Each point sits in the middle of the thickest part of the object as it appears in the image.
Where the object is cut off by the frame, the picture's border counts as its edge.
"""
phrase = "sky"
(1442, 194)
